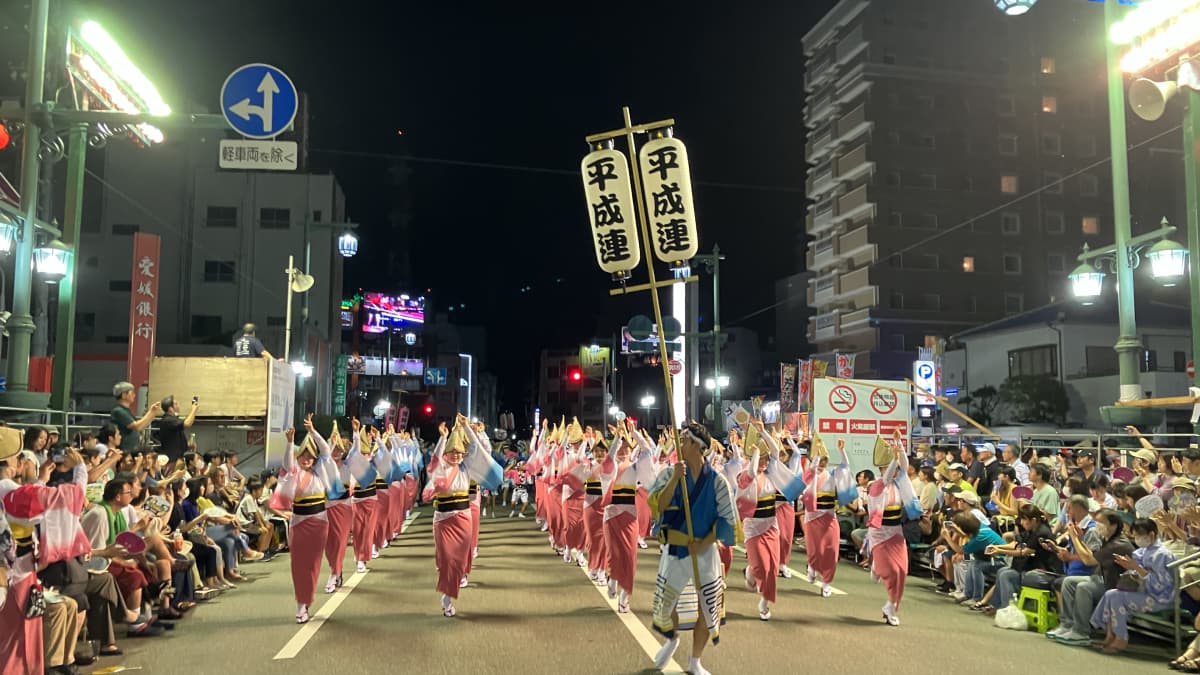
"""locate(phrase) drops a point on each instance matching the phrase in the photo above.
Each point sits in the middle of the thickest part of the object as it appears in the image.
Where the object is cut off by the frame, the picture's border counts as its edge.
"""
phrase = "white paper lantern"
(606, 184)
(1016, 7)
(667, 180)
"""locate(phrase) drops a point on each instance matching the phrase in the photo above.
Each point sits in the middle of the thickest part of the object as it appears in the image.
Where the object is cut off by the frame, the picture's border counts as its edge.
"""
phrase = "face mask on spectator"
(1143, 541)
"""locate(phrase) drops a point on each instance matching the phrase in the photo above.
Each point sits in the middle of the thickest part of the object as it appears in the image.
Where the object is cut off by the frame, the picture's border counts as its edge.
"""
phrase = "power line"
(532, 169)
(969, 221)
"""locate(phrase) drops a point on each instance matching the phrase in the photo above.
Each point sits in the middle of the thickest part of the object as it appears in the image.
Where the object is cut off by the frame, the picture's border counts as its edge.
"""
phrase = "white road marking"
(308, 630)
(641, 634)
(802, 577)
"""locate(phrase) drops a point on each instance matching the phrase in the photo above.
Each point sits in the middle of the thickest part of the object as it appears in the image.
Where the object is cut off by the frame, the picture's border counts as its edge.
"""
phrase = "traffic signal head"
(576, 375)
(428, 408)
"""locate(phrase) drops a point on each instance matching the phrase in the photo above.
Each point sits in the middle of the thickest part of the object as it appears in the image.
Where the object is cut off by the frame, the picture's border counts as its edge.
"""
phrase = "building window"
(205, 325)
(1008, 184)
(85, 326)
(1052, 182)
(274, 219)
(1014, 303)
(1012, 263)
(1089, 185)
(1050, 104)
(218, 271)
(928, 141)
(126, 229)
(1086, 146)
(1054, 222)
(893, 178)
(1006, 106)
(317, 216)
(116, 339)
(1040, 360)
(1180, 360)
(924, 102)
(889, 58)
(968, 264)
(1010, 223)
(221, 216)
(276, 321)
(1055, 262)
(896, 300)
(895, 219)
(1008, 144)
(121, 285)
(893, 137)
(1100, 361)
(927, 181)
(929, 221)
(896, 260)
(1051, 144)
(931, 301)
(1090, 225)
(1048, 65)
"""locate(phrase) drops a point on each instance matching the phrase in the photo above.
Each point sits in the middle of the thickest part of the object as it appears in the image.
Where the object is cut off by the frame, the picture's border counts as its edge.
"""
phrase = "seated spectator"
(204, 550)
(1099, 491)
(975, 538)
(1081, 590)
(1127, 501)
(1147, 585)
(929, 492)
(1032, 564)
(956, 478)
(222, 529)
(1003, 504)
(1076, 487)
(1045, 497)
(1008, 454)
(251, 520)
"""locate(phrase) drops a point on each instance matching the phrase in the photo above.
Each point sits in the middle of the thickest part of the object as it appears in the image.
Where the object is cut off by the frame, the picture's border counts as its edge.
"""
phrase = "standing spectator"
(172, 429)
(122, 415)
(990, 469)
(249, 346)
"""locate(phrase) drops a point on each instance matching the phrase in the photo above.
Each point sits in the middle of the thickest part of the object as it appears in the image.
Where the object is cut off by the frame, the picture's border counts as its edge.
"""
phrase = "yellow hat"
(458, 440)
(364, 438)
(752, 440)
(10, 442)
(575, 432)
(818, 449)
(307, 445)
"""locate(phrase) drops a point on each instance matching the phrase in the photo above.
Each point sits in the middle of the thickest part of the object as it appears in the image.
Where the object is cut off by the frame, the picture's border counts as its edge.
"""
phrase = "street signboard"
(258, 155)
(339, 385)
(925, 377)
(859, 411)
(675, 366)
(259, 101)
(435, 376)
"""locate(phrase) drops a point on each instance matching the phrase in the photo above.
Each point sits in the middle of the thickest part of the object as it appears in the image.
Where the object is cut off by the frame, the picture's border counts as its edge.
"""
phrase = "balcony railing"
(856, 280)
(852, 163)
(852, 242)
(852, 199)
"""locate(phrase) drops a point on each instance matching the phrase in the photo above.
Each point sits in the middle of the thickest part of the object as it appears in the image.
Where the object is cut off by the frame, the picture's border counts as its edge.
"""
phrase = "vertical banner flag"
(787, 387)
(819, 369)
(804, 386)
(143, 307)
(339, 385)
(667, 183)
(845, 365)
(611, 210)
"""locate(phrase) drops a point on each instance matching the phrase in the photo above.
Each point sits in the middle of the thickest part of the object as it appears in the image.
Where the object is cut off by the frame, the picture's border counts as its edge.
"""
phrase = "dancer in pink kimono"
(601, 470)
(757, 484)
(338, 510)
(449, 481)
(785, 513)
(826, 488)
(887, 498)
(621, 534)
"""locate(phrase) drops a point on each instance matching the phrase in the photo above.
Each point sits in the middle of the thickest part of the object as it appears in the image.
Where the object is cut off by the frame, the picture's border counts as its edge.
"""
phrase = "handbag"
(1131, 582)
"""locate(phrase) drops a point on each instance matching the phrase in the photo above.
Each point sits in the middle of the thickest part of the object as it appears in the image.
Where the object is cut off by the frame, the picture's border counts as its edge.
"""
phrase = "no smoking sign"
(842, 399)
(883, 401)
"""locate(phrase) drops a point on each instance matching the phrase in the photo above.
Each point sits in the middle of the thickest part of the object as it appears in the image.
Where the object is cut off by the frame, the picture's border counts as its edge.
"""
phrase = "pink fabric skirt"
(726, 554)
(621, 535)
(364, 528)
(643, 514)
(410, 484)
(539, 495)
(307, 544)
(21, 646)
(398, 493)
(474, 509)
(821, 542)
(762, 554)
(554, 514)
(889, 562)
(785, 515)
(593, 528)
(452, 550)
(383, 515)
(340, 515)
(574, 535)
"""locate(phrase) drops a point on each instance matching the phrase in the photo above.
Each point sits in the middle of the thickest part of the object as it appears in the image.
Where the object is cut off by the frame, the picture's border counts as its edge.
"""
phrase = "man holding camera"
(122, 415)
(172, 429)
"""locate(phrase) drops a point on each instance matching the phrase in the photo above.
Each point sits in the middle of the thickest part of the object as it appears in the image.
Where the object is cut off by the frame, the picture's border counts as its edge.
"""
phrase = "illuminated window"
(1008, 184)
(1047, 65)
(1049, 104)
(968, 263)
(1090, 225)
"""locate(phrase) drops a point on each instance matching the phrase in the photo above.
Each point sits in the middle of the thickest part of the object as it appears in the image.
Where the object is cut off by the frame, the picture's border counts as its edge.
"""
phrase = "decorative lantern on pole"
(51, 259)
(668, 189)
(611, 210)
(347, 245)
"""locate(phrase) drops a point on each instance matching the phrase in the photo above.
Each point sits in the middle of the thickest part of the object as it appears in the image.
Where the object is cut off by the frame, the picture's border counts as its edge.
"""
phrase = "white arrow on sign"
(243, 108)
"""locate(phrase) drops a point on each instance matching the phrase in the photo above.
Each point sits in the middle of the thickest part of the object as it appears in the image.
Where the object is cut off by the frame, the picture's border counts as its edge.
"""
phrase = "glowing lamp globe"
(51, 260)
(1087, 283)
(1014, 7)
(347, 245)
(1168, 262)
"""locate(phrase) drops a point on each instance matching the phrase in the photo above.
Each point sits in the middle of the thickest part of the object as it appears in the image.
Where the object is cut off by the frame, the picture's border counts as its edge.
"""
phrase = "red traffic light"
(576, 375)
(428, 408)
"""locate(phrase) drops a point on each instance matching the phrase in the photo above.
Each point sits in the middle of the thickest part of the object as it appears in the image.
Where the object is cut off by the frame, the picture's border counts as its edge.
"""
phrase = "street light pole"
(64, 340)
(713, 260)
(1128, 348)
(1191, 132)
(20, 324)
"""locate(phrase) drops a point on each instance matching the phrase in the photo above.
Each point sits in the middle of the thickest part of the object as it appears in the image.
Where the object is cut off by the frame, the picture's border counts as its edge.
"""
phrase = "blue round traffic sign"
(925, 370)
(259, 101)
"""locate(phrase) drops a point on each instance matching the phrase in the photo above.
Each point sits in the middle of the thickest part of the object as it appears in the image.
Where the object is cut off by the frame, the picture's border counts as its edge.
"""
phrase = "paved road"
(527, 612)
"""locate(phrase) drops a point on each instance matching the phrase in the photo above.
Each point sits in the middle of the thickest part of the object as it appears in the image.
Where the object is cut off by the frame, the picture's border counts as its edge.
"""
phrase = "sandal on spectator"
(111, 651)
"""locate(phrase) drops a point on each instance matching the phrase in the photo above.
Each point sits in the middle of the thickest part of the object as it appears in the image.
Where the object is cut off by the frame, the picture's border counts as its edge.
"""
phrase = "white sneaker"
(764, 609)
(785, 572)
(385, 543)
(475, 553)
(750, 585)
(695, 668)
(463, 583)
(331, 586)
(812, 575)
(545, 526)
(374, 553)
(958, 596)
(663, 657)
(826, 590)
(889, 614)
(1057, 632)
(511, 514)
(642, 543)
(483, 513)
(362, 567)
(522, 515)
(612, 588)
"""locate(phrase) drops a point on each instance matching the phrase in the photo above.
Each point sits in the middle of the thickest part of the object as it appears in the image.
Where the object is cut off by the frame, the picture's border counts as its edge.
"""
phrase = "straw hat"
(10, 442)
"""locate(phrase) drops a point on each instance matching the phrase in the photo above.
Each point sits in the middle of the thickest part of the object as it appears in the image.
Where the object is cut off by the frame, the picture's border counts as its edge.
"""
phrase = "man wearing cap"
(1085, 461)
(991, 471)
(122, 415)
(956, 473)
(973, 472)
(250, 347)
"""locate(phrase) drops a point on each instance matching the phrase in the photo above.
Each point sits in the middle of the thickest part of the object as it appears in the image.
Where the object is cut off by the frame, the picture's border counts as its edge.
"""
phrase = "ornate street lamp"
(347, 245)
(1087, 283)
(1168, 262)
(51, 260)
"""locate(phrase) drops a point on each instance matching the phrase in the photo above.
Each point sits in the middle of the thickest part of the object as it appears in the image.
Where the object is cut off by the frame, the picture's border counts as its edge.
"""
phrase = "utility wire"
(969, 221)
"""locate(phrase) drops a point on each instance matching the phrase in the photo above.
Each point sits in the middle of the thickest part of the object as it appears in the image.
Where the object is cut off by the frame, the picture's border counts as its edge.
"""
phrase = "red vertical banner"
(143, 307)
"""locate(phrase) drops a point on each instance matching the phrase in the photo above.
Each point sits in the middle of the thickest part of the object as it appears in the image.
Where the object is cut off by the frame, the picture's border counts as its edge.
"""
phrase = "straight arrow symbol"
(244, 109)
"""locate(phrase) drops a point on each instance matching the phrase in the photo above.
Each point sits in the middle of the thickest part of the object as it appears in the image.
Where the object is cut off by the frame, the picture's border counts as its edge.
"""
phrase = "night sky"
(495, 83)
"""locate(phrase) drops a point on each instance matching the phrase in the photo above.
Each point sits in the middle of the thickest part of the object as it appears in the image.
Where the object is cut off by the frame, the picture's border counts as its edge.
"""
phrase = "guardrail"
(68, 422)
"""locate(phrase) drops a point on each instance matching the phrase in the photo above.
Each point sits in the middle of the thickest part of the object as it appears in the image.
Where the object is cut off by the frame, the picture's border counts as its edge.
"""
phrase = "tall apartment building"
(956, 168)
